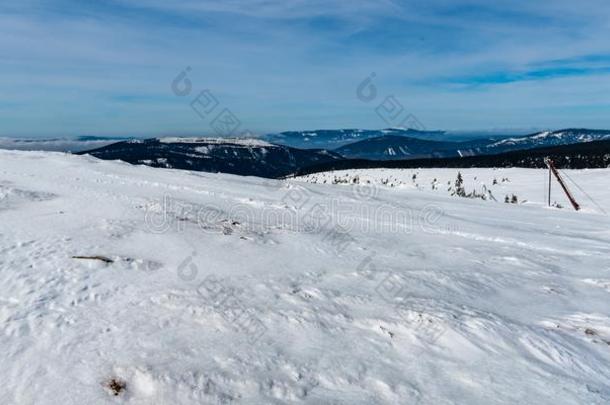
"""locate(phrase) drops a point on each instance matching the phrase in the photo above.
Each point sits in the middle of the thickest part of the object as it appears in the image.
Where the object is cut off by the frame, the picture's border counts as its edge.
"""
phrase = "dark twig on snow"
(100, 258)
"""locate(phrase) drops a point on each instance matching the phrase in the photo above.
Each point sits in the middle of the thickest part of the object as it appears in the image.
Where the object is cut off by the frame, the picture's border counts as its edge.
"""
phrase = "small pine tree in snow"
(459, 186)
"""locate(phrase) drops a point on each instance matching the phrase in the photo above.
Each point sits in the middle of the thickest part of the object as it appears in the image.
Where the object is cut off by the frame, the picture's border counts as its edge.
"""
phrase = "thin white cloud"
(264, 57)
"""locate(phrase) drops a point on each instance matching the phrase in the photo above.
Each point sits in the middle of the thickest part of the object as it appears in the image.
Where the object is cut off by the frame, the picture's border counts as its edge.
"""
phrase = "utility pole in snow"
(545, 161)
(552, 169)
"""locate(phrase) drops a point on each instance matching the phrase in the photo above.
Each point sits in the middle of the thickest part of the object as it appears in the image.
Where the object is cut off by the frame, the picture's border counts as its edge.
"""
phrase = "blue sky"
(106, 67)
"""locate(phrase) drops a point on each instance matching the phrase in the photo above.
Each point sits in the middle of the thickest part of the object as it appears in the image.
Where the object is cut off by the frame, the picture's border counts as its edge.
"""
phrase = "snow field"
(224, 289)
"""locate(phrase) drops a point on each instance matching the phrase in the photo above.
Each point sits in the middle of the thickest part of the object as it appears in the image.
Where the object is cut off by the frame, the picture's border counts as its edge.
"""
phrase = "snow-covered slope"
(218, 141)
(530, 186)
(549, 138)
(214, 288)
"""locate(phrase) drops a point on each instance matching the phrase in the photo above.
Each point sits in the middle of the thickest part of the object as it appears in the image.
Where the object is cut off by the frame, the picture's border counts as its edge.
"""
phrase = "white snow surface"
(468, 302)
(530, 186)
(218, 141)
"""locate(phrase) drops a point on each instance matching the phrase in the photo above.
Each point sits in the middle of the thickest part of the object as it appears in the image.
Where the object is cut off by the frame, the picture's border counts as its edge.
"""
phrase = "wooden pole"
(549, 186)
(553, 169)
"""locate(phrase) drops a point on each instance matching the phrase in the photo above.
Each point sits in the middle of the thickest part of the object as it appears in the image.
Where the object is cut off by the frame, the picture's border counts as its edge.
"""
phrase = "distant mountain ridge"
(335, 138)
(584, 155)
(390, 147)
(551, 138)
(259, 157)
(247, 157)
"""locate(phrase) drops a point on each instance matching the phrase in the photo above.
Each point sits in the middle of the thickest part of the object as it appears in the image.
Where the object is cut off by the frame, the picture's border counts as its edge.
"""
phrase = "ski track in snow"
(477, 302)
